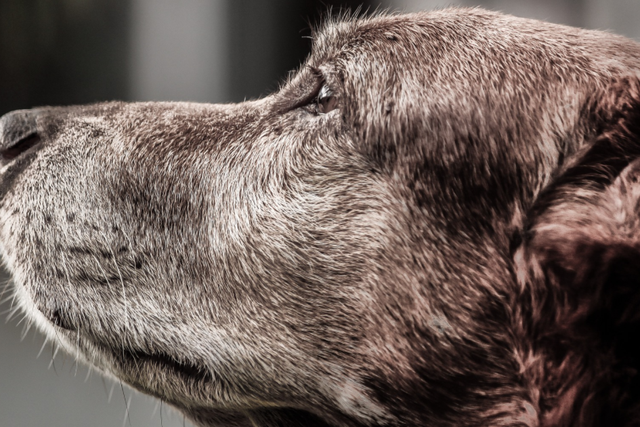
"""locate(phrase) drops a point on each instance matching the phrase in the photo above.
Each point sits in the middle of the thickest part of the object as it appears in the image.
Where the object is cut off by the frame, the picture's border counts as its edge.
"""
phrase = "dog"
(434, 222)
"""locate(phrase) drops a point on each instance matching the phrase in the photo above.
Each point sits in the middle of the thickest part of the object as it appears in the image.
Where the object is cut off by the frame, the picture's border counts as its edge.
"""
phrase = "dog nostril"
(18, 133)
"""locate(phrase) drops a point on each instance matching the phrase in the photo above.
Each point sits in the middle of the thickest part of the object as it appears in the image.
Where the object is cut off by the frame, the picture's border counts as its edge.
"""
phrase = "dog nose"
(18, 133)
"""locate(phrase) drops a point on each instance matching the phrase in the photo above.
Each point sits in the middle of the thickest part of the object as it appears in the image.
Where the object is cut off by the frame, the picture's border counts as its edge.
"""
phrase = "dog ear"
(586, 247)
(578, 267)
(584, 233)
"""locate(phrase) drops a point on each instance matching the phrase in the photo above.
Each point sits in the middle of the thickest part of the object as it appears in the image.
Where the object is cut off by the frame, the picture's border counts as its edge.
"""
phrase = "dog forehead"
(466, 32)
(341, 36)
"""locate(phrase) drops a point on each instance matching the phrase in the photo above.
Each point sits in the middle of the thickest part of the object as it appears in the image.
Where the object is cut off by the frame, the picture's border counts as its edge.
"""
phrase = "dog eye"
(325, 101)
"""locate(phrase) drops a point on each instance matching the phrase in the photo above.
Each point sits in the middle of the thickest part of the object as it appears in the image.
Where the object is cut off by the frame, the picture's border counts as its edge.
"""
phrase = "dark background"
(58, 52)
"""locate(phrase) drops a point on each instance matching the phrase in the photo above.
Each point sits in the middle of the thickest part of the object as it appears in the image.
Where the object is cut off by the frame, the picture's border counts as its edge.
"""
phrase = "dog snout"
(18, 133)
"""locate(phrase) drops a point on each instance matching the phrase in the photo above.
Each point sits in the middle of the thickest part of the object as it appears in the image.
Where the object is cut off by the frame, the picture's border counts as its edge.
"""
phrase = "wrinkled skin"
(453, 241)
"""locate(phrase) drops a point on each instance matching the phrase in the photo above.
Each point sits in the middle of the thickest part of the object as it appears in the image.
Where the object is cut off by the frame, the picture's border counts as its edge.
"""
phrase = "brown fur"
(457, 243)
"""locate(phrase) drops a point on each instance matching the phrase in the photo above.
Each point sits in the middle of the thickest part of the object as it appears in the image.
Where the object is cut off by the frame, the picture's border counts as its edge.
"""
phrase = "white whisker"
(5, 299)
(155, 408)
(12, 312)
(127, 402)
(89, 370)
(26, 329)
(54, 352)
(113, 386)
(22, 319)
(44, 344)
(5, 288)
(77, 350)
(13, 300)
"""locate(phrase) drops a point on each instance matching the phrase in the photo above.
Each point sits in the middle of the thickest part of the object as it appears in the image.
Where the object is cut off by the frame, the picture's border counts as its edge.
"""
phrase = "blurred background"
(57, 52)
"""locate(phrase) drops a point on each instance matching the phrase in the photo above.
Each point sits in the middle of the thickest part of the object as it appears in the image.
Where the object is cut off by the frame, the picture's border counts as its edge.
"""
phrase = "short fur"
(457, 243)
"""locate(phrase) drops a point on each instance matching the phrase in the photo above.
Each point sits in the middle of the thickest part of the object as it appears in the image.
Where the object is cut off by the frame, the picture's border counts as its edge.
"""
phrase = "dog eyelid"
(325, 101)
(320, 100)
(325, 92)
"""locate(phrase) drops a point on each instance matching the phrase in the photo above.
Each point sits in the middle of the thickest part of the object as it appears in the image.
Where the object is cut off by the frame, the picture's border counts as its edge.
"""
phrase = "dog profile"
(434, 222)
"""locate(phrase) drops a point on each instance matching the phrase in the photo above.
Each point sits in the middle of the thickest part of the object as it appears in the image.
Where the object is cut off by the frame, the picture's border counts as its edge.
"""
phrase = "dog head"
(433, 222)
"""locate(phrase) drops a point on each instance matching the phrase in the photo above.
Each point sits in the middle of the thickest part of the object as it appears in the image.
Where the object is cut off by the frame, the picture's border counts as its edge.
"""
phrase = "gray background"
(81, 51)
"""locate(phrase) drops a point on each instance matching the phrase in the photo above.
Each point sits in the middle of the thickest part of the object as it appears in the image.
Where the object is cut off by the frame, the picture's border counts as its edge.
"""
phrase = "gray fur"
(454, 244)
